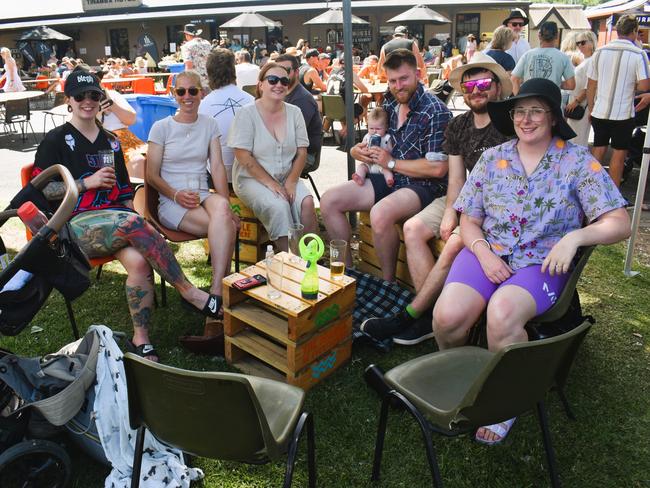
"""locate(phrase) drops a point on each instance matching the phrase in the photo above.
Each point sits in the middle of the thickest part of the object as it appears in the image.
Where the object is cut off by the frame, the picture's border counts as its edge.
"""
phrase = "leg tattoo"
(140, 301)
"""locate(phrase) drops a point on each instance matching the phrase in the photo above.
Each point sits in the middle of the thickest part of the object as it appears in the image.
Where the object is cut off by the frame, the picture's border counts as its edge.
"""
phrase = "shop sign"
(109, 4)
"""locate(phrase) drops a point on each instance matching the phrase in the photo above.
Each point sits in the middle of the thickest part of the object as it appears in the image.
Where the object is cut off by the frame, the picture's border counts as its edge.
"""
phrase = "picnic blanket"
(376, 297)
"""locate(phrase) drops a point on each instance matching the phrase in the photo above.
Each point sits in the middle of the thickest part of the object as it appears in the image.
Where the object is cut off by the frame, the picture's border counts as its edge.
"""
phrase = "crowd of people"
(509, 185)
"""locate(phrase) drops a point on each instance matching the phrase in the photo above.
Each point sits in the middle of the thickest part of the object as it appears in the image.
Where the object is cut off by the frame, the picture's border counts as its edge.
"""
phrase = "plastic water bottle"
(32, 217)
(272, 278)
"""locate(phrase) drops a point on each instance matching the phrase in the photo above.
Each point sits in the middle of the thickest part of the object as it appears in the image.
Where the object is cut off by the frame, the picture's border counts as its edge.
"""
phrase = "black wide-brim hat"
(516, 13)
(535, 87)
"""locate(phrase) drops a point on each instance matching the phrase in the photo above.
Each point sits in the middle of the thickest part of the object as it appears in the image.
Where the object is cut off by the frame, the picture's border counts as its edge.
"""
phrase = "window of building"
(467, 24)
(119, 42)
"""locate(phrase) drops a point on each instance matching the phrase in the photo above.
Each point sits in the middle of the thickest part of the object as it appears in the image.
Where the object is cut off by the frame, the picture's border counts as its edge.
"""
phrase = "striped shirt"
(617, 67)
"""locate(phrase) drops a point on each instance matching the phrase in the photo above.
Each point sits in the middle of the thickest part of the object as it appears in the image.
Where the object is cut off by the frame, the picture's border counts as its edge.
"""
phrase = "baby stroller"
(51, 259)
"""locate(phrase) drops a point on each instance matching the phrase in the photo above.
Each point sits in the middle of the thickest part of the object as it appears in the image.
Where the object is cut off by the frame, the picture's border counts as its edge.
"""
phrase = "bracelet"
(471, 247)
(179, 190)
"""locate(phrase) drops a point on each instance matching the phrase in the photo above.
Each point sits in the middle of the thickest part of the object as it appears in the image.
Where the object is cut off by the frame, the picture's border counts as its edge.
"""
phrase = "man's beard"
(476, 108)
(406, 92)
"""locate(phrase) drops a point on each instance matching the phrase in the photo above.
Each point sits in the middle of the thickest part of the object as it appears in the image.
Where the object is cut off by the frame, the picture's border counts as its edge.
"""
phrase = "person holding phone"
(103, 220)
(179, 146)
(377, 136)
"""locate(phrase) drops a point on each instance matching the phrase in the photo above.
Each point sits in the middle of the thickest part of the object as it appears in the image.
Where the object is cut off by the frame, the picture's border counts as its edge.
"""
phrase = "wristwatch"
(391, 164)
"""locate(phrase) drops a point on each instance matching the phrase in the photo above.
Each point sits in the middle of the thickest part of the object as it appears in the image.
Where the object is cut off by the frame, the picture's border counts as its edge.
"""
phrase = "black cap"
(535, 87)
(80, 81)
(516, 13)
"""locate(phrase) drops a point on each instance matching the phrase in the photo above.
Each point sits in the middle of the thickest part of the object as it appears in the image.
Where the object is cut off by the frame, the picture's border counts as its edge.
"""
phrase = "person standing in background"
(195, 52)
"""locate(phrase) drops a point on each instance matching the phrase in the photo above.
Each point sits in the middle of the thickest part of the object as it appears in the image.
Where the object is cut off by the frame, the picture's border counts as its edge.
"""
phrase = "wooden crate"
(295, 340)
(368, 256)
(253, 237)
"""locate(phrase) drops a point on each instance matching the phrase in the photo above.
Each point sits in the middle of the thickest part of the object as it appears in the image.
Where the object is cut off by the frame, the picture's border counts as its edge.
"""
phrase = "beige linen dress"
(276, 157)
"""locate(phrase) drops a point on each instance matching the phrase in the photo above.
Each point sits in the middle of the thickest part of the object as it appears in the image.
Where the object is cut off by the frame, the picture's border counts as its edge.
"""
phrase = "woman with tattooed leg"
(104, 221)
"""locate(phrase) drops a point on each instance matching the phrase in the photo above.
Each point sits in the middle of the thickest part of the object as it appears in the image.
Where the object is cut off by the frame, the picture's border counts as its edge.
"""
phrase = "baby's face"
(376, 127)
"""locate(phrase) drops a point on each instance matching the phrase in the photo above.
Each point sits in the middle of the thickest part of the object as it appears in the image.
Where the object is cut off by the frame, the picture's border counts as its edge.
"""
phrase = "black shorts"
(426, 194)
(619, 131)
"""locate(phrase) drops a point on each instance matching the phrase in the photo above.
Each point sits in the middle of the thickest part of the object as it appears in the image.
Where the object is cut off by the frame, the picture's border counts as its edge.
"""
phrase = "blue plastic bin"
(148, 109)
(176, 67)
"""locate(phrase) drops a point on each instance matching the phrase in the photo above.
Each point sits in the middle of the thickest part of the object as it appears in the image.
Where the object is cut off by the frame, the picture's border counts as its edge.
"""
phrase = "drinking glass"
(106, 158)
(193, 185)
(274, 277)
(338, 248)
(295, 234)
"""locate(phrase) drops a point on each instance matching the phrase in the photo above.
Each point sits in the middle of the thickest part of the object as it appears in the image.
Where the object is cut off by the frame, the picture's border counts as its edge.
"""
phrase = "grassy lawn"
(609, 389)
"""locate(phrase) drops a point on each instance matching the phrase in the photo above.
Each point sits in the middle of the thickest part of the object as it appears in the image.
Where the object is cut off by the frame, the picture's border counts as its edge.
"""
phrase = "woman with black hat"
(523, 208)
(104, 221)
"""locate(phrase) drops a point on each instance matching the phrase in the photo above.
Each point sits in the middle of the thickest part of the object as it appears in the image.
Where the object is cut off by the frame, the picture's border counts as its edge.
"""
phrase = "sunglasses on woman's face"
(92, 95)
(482, 85)
(194, 91)
(581, 43)
(273, 80)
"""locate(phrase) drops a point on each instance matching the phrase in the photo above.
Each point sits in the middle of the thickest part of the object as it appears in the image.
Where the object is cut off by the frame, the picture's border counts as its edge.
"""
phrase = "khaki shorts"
(432, 214)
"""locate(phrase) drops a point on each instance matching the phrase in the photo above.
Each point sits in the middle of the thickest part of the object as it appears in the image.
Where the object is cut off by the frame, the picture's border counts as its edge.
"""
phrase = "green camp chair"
(217, 415)
(549, 323)
(455, 391)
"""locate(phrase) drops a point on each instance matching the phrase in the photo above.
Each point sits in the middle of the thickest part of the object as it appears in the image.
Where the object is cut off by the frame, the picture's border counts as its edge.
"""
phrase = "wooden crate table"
(291, 339)
(368, 256)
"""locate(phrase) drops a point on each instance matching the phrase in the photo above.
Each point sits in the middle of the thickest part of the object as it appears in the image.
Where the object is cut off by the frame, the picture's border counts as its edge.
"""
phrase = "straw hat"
(482, 60)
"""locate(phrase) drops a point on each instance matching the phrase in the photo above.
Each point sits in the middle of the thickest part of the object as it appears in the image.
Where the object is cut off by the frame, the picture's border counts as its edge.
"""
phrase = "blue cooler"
(176, 67)
(148, 109)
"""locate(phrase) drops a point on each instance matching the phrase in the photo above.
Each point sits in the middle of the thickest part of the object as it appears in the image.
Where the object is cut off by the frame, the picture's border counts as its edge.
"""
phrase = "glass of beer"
(193, 186)
(295, 234)
(338, 248)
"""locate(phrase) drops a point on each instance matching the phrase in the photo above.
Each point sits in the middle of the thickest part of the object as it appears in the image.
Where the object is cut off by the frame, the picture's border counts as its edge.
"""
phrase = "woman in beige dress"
(270, 142)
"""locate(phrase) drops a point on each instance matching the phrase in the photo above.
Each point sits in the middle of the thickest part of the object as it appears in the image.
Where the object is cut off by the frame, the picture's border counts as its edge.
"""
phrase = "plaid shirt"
(422, 132)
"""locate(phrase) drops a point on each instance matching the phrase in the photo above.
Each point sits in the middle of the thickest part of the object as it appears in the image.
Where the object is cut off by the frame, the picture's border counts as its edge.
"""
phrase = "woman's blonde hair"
(192, 75)
(501, 37)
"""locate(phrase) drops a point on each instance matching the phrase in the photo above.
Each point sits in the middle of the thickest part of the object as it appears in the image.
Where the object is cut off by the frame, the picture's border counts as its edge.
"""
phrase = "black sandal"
(212, 307)
(143, 350)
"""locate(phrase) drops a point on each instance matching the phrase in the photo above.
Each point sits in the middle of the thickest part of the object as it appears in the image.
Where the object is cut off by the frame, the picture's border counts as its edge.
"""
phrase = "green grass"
(607, 447)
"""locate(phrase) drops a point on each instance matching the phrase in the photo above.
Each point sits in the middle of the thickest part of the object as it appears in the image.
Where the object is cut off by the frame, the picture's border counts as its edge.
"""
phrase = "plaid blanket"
(376, 297)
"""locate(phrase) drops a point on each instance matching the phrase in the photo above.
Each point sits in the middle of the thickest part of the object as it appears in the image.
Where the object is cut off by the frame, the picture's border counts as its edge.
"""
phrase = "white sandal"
(501, 429)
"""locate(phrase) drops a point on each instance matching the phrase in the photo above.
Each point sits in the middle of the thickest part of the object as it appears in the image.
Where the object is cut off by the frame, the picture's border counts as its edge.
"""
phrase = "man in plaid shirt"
(417, 122)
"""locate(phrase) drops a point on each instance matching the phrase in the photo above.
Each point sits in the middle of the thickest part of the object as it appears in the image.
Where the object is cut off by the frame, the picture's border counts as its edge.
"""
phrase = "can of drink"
(375, 141)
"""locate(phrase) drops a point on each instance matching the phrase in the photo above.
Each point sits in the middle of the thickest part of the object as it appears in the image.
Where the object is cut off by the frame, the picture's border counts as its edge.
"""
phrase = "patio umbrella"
(420, 14)
(43, 33)
(250, 20)
(333, 16)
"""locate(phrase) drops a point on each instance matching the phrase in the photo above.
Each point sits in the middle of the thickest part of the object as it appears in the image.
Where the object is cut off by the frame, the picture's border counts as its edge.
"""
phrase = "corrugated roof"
(28, 13)
(613, 7)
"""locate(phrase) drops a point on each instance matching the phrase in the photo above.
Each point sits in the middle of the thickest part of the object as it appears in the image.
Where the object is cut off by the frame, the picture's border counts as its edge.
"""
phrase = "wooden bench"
(289, 339)
(369, 262)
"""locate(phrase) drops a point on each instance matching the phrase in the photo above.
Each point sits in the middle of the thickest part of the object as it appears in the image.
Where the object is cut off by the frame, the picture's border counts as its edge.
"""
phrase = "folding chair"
(17, 112)
(250, 89)
(455, 391)
(226, 416)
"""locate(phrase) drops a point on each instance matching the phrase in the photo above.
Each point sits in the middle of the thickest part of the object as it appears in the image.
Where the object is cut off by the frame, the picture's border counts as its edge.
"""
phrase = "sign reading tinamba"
(109, 4)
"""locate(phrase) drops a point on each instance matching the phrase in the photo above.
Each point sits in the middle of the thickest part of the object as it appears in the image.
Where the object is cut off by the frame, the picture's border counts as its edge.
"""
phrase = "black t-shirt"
(463, 139)
(304, 100)
(397, 43)
(67, 146)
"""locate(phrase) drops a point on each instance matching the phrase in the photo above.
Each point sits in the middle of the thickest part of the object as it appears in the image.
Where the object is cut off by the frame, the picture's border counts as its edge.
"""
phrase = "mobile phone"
(375, 141)
(248, 283)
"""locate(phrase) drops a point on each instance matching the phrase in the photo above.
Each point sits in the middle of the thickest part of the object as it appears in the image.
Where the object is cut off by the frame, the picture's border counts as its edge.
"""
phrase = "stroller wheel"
(35, 464)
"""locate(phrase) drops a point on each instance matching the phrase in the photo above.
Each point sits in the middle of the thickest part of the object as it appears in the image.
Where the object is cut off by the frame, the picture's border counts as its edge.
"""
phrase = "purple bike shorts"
(544, 288)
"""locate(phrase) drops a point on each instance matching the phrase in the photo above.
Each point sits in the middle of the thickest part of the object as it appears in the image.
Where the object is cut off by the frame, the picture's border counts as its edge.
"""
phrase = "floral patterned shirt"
(197, 51)
(525, 216)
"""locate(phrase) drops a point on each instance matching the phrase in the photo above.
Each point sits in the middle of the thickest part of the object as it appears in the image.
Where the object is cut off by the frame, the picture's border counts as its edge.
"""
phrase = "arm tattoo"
(55, 190)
